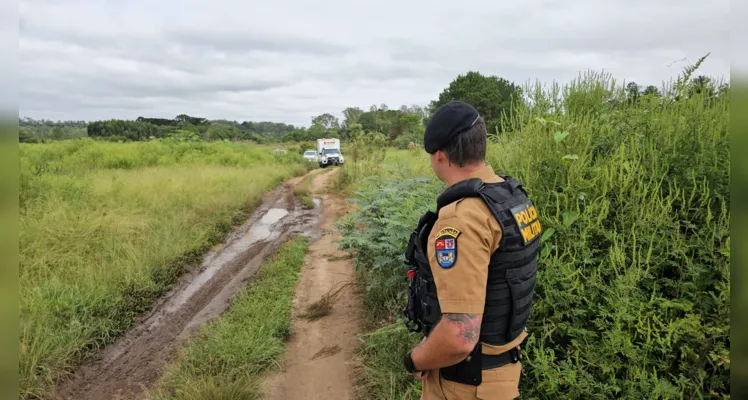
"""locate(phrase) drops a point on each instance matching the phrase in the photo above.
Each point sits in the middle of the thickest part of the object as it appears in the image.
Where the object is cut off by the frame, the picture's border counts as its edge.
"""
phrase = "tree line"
(494, 97)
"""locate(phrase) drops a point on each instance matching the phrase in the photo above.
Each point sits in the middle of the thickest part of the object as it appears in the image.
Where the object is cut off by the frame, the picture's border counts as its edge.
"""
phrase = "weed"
(303, 191)
(323, 306)
(633, 291)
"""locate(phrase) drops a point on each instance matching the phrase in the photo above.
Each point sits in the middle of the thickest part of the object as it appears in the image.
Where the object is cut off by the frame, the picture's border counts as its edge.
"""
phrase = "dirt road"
(317, 362)
(136, 361)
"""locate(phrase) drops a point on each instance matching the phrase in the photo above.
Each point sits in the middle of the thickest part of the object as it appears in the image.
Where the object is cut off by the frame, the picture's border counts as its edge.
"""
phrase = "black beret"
(447, 123)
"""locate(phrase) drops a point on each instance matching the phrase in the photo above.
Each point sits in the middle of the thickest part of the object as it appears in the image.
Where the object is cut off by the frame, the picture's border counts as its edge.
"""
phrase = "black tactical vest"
(511, 271)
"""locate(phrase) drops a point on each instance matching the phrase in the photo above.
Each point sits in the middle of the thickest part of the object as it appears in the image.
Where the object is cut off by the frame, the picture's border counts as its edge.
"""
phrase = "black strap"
(491, 361)
(467, 188)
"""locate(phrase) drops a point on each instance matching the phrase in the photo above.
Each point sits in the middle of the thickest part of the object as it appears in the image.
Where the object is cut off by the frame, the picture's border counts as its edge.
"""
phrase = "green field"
(106, 227)
(633, 293)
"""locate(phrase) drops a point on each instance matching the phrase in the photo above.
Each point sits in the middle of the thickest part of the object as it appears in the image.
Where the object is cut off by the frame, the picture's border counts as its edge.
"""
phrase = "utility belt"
(470, 370)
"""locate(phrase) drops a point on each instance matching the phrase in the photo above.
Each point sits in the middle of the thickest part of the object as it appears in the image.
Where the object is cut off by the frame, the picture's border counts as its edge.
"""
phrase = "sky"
(290, 60)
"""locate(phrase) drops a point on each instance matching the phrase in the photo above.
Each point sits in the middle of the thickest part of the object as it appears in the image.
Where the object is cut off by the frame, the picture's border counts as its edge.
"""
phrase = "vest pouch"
(467, 371)
(429, 303)
(521, 292)
(412, 310)
(410, 251)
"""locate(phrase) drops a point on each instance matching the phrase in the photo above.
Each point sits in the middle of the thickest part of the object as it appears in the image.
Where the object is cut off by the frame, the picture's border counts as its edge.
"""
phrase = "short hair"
(472, 144)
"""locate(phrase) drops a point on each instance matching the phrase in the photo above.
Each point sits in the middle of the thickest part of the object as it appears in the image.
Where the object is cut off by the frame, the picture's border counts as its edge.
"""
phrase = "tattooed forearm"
(468, 326)
(453, 338)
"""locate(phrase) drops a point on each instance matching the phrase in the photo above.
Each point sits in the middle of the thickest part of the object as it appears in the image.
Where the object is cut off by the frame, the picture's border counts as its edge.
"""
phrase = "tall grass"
(229, 355)
(304, 191)
(633, 294)
(106, 227)
(388, 162)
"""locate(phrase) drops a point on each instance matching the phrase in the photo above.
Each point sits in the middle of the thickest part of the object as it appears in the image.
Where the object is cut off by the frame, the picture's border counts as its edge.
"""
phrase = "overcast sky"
(289, 60)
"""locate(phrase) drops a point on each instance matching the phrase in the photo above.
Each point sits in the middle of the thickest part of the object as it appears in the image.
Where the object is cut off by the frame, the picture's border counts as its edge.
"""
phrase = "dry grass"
(323, 306)
(339, 257)
(327, 351)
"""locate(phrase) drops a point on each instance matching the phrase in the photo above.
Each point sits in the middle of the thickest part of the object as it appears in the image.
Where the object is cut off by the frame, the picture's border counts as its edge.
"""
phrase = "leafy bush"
(403, 142)
(633, 294)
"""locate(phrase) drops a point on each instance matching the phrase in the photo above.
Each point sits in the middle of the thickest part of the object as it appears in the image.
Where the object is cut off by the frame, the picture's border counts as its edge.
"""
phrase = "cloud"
(289, 60)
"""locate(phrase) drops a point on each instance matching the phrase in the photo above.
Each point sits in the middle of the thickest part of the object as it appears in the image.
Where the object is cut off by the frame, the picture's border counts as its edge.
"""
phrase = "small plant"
(323, 306)
(303, 191)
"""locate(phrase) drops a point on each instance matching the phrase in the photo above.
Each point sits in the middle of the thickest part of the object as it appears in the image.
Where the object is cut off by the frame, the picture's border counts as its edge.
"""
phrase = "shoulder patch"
(526, 217)
(446, 247)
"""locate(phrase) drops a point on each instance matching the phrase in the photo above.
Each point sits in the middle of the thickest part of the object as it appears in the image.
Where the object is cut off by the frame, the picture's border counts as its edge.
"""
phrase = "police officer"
(473, 267)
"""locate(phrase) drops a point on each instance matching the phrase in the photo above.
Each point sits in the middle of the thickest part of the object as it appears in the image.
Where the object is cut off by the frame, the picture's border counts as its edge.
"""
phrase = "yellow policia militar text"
(526, 217)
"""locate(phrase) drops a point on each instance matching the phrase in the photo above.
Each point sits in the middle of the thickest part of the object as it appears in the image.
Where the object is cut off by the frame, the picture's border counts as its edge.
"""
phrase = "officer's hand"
(421, 375)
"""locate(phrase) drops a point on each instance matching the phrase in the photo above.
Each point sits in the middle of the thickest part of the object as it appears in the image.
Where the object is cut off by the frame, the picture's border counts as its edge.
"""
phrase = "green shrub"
(633, 294)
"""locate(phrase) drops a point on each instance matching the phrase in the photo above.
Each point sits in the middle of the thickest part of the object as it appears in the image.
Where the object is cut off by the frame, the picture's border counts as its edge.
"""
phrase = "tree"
(490, 95)
(702, 85)
(651, 90)
(184, 118)
(352, 116)
(632, 92)
(407, 123)
(316, 131)
(326, 120)
(416, 110)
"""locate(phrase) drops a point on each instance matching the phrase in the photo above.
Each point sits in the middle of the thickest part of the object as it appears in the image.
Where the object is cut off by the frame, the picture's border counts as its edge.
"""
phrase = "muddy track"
(136, 361)
(320, 356)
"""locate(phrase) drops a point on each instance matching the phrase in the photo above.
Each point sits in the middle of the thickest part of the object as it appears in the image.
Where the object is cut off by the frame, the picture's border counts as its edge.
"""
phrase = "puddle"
(260, 231)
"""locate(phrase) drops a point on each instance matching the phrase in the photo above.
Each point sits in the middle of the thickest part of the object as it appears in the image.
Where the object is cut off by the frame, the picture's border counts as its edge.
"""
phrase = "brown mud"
(319, 358)
(136, 361)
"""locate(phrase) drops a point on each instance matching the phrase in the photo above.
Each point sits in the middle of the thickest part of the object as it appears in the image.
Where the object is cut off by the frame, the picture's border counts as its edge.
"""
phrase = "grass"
(304, 191)
(382, 162)
(633, 292)
(106, 227)
(227, 359)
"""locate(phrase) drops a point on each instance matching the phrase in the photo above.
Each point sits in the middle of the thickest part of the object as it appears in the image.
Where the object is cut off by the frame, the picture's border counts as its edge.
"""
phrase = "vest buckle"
(515, 354)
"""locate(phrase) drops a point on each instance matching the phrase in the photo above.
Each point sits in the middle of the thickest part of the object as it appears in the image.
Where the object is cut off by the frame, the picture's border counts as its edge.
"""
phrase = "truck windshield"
(330, 151)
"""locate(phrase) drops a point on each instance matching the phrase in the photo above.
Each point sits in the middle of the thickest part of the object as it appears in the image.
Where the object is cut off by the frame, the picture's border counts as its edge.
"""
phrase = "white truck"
(329, 152)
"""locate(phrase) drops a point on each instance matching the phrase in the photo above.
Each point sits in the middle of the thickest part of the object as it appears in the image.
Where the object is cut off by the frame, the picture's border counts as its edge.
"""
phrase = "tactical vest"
(511, 271)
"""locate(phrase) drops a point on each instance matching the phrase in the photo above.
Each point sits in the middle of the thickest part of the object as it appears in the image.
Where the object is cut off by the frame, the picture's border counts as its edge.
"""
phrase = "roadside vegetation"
(633, 297)
(228, 357)
(106, 227)
(633, 293)
(304, 191)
